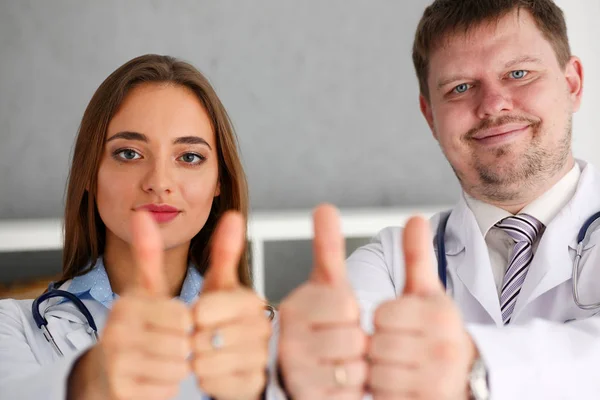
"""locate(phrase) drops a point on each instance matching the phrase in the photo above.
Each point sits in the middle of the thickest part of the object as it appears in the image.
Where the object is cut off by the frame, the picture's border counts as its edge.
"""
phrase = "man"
(498, 87)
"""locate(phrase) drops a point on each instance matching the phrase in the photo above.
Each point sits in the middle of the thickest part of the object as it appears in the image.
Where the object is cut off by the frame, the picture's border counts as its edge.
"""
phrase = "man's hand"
(322, 346)
(420, 348)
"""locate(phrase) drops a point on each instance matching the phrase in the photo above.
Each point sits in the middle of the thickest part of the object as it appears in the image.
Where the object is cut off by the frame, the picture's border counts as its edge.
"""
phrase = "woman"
(155, 166)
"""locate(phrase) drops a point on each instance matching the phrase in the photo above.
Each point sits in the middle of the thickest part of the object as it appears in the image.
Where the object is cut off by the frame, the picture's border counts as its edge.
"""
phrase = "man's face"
(501, 106)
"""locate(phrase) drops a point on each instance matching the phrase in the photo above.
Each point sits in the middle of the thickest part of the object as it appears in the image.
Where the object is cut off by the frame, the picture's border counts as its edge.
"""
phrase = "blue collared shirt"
(95, 285)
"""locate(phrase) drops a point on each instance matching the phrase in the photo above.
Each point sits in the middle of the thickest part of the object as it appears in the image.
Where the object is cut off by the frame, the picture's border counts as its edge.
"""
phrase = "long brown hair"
(84, 230)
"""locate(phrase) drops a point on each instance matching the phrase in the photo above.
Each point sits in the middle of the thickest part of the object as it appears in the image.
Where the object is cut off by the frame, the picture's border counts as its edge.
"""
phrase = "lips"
(500, 130)
(161, 213)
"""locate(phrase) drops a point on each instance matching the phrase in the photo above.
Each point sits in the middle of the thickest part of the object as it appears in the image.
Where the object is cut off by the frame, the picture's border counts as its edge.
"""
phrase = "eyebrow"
(524, 59)
(454, 78)
(511, 63)
(140, 137)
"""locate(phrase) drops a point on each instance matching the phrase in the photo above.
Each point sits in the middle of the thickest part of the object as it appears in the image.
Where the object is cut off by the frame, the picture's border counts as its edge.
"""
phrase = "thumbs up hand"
(321, 344)
(232, 330)
(144, 348)
(420, 348)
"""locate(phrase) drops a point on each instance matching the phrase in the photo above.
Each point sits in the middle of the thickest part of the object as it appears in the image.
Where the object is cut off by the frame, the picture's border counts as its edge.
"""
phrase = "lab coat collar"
(471, 264)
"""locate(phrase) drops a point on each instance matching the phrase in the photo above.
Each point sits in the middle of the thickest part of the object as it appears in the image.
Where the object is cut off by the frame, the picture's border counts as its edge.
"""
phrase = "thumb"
(148, 252)
(228, 243)
(329, 247)
(421, 279)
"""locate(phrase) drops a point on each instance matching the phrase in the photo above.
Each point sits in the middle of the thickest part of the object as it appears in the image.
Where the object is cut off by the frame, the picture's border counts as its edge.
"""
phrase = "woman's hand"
(144, 350)
(232, 332)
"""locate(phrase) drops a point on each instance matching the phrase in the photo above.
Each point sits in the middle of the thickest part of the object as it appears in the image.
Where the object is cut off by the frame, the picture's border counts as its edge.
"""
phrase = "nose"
(158, 179)
(494, 101)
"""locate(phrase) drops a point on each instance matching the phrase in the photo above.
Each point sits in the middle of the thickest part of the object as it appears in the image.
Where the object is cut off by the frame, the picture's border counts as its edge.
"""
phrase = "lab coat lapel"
(552, 263)
(469, 260)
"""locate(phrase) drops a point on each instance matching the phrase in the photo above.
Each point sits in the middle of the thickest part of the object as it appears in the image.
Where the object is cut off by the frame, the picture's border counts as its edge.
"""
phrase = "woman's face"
(159, 155)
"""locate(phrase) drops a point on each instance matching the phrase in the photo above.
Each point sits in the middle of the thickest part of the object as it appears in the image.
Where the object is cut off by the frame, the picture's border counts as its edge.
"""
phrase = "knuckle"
(349, 309)
(200, 315)
(384, 311)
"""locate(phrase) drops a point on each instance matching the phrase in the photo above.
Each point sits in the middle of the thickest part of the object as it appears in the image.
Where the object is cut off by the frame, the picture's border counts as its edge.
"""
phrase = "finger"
(165, 346)
(127, 388)
(432, 317)
(244, 385)
(316, 305)
(394, 348)
(338, 343)
(311, 393)
(421, 279)
(227, 246)
(148, 251)
(322, 377)
(406, 314)
(241, 334)
(231, 360)
(149, 369)
(168, 315)
(218, 308)
(394, 378)
(329, 248)
(345, 394)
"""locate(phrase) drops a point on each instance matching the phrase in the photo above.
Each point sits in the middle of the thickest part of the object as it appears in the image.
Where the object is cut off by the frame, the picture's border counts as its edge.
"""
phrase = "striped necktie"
(523, 229)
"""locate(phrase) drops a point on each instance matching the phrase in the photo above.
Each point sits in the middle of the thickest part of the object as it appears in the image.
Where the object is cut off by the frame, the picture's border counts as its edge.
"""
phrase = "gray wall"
(322, 94)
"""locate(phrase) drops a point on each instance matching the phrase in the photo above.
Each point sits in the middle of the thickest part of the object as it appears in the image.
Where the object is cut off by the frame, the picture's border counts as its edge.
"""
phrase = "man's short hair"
(447, 17)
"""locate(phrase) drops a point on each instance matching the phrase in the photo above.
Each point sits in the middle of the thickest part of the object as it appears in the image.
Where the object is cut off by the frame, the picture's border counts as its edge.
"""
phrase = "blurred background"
(322, 94)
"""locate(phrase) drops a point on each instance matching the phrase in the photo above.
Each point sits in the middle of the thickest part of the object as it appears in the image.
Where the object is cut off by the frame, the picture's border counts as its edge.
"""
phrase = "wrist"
(83, 379)
(478, 379)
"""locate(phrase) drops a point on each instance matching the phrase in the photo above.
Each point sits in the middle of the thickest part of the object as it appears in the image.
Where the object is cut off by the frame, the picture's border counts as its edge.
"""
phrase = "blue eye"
(518, 74)
(463, 87)
(192, 158)
(127, 154)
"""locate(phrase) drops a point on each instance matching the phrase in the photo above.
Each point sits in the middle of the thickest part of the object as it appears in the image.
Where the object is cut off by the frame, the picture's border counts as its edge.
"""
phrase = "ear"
(218, 188)
(574, 76)
(425, 107)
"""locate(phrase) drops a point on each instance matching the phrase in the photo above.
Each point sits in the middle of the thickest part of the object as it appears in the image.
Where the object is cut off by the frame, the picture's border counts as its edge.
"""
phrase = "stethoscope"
(42, 323)
(53, 291)
(583, 238)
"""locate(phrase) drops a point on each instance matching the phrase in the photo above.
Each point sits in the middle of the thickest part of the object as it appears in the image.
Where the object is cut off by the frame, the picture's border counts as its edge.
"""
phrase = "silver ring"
(340, 375)
(216, 340)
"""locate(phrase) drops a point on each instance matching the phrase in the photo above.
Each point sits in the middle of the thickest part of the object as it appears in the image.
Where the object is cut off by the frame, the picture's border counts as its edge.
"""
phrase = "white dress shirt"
(544, 209)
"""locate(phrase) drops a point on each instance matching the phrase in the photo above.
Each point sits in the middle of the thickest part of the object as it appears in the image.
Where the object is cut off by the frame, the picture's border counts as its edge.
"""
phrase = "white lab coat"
(551, 349)
(29, 367)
